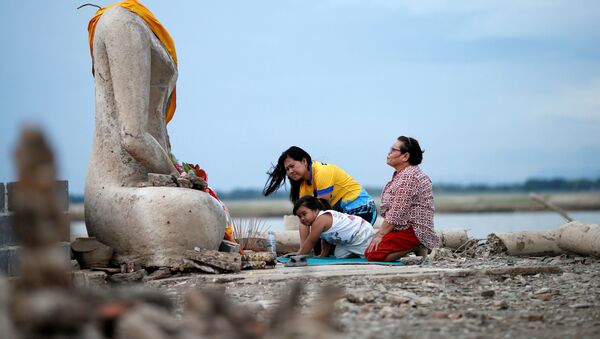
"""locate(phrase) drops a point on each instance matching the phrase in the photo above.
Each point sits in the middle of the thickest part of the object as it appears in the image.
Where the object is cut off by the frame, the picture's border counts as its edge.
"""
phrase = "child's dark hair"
(311, 203)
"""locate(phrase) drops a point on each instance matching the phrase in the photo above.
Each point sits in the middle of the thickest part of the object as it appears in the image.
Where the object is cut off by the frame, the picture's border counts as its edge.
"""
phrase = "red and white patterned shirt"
(407, 201)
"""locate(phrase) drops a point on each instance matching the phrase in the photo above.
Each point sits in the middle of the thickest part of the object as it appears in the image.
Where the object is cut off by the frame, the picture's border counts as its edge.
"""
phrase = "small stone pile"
(186, 180)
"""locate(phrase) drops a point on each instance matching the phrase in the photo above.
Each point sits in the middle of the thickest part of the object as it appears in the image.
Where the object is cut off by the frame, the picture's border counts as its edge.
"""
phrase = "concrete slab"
(331, 273)
(321, 272)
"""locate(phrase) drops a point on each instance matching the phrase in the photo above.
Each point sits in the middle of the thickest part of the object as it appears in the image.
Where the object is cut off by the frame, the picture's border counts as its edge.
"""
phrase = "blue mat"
(313, 261)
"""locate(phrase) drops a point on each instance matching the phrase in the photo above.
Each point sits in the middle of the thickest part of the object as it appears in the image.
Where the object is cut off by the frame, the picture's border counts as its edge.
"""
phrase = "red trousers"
(393, 242)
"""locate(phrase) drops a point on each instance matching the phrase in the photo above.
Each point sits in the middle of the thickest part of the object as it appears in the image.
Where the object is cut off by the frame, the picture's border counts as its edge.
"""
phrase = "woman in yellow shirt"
(321, 180)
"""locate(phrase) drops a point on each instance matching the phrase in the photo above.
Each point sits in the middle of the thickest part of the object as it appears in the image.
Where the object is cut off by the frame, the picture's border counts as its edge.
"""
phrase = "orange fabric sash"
(156, 27)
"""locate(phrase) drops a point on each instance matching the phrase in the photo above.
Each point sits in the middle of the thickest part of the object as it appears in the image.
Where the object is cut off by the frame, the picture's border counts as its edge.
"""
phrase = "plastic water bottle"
(271, 242)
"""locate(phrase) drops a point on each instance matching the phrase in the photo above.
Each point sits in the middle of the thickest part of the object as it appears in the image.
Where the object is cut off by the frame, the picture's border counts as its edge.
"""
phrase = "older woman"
(406, 206)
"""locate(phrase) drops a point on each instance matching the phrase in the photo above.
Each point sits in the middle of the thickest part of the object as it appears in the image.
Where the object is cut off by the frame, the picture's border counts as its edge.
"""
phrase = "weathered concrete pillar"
(10, 246)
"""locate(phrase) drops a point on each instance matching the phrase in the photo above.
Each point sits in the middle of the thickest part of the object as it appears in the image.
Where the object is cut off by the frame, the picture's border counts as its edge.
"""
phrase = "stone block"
(126, 278)
(88, 278)
(2, 198)
(9, 260)
(162, 180)
(62, 195)
(221, 260)
(7, 234)
(183, 182)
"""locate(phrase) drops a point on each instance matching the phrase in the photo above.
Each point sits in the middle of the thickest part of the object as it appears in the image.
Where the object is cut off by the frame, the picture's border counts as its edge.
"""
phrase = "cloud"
(545, 19)
(533, 20)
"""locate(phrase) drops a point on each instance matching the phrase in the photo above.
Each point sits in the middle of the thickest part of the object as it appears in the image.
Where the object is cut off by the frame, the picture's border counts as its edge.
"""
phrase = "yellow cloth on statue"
(156, 27)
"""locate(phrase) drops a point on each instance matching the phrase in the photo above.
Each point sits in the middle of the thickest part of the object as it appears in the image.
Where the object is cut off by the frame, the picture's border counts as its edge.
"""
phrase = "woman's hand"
(374, 243)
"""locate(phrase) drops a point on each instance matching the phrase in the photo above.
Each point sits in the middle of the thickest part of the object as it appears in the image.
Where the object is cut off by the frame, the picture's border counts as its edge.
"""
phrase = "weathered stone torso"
(109, 160)
(134, 77)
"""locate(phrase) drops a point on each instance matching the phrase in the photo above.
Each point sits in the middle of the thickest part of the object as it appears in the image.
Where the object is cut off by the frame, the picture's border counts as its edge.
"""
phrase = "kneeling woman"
(349, 233)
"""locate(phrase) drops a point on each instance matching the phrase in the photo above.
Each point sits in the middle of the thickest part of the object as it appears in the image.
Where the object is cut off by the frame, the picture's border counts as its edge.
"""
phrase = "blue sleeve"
(325, 190)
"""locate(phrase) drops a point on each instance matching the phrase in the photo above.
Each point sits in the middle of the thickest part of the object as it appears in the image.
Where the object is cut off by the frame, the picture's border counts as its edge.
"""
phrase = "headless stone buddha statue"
(134, 78)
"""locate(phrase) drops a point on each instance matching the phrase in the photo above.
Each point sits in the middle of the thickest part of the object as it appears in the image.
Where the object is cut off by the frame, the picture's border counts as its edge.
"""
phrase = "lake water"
(478, 224)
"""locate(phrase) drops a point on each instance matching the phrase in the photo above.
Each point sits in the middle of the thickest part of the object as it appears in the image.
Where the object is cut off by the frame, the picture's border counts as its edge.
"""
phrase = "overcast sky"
(495, 91)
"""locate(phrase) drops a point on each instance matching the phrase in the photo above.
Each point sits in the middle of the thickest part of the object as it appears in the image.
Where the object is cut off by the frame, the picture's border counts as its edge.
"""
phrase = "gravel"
(545, 306)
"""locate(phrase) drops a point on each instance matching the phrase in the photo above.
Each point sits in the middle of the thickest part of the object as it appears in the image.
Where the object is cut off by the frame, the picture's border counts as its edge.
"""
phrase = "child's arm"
(304, 230)
(325, 248)
(316, 229)
(309, 243)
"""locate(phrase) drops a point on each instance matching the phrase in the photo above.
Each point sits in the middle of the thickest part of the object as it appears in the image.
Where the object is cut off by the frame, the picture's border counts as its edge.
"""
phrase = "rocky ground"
(563, 304)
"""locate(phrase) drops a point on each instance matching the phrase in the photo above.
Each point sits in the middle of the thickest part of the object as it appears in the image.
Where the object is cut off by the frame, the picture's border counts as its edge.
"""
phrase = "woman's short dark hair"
(411, 145)
(312, 203)
(277, 174)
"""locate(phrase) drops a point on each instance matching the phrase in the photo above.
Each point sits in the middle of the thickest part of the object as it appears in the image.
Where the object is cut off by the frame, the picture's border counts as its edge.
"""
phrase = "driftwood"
(580, 238)
(525, 243)
(454, 238)
(225, 261)
(539, 199)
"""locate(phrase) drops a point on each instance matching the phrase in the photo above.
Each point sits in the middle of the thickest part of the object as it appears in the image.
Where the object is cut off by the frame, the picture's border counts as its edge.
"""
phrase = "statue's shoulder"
(117, 19)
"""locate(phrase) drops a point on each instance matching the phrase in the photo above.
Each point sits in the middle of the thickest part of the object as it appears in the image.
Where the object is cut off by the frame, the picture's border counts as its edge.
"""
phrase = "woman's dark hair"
(311, 203)
(411, 145)
(277, 174)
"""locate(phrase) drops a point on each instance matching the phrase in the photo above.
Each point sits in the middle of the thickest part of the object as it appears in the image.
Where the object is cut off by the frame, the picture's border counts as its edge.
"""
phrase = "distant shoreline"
(444, 203)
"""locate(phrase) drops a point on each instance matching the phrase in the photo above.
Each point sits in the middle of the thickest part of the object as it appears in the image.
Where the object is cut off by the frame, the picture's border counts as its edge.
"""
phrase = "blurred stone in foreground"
(44, 303)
